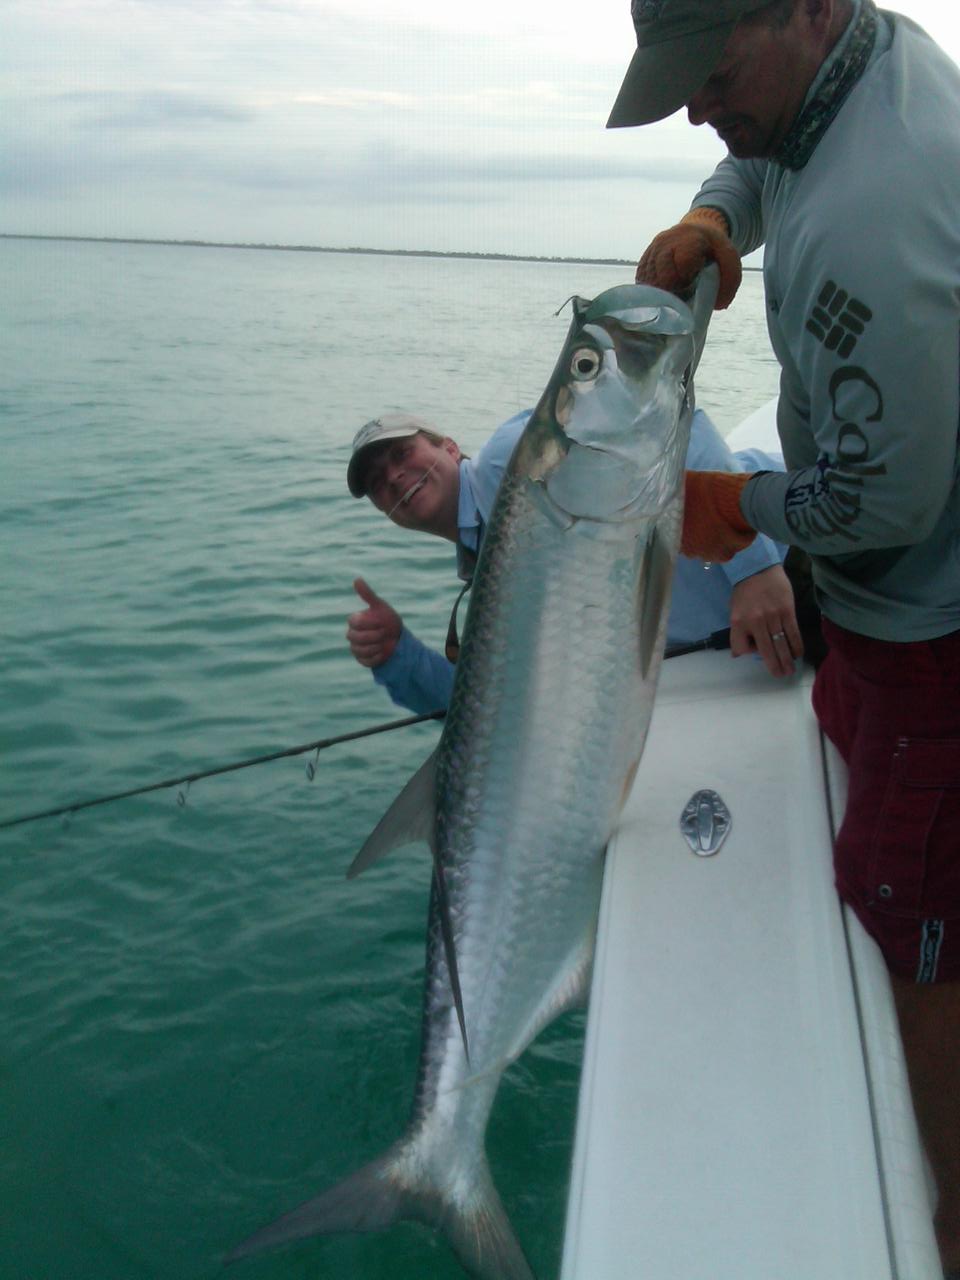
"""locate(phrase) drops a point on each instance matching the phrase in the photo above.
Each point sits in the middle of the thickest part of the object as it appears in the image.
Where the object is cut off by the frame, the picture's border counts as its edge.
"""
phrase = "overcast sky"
(417, 124)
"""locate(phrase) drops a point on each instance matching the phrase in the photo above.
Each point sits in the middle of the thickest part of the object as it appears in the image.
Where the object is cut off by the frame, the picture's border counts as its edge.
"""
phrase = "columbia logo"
(838, 320)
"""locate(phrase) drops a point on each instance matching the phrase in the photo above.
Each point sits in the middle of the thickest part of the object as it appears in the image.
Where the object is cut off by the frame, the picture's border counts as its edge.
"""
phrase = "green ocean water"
(202, 1022)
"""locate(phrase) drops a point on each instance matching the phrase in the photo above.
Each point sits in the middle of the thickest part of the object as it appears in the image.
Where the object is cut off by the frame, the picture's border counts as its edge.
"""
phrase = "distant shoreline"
(322, 248)
(317, 248)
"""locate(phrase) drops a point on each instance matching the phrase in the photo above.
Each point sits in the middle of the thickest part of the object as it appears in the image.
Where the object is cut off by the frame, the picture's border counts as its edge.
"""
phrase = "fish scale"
(548, 715)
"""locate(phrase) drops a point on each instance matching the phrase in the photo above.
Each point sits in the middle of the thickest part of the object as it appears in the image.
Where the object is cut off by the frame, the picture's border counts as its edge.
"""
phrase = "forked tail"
(386, 1191)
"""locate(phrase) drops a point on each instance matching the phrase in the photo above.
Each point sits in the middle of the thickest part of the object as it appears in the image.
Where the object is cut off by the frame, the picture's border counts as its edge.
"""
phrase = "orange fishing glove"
(676, 256)
(713, 528)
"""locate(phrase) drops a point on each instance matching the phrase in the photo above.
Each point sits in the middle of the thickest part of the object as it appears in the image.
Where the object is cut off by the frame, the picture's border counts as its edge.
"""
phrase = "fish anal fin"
(629, 780)
(409, 819)
(569, 990)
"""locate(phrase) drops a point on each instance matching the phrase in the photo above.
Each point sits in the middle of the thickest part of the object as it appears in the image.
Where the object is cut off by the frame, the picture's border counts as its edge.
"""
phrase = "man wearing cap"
(842, 125)
(421, 480)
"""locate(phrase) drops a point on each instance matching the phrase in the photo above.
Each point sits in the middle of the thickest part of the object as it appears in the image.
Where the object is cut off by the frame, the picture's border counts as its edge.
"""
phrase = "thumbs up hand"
(372, 633)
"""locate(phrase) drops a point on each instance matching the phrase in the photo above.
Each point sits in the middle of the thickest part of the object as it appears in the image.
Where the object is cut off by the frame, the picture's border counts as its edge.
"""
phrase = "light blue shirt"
(421, 679)
(479, 482)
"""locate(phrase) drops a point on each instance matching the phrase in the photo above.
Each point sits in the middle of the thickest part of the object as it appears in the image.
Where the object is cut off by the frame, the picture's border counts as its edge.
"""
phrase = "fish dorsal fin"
(409, 819)
(450, 949)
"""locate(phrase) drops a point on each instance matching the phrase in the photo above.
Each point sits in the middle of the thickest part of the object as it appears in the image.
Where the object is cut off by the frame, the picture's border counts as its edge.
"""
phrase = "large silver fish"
(550, 707)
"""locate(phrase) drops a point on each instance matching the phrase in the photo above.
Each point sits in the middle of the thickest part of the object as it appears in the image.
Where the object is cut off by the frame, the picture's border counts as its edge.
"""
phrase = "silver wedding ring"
(778, 635)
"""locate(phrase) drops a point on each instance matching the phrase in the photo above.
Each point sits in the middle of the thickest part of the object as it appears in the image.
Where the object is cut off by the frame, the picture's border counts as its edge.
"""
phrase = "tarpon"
(550, 706)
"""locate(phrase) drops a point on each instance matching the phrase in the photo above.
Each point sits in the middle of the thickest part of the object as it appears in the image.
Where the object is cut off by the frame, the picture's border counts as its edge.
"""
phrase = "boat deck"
(744, 1113)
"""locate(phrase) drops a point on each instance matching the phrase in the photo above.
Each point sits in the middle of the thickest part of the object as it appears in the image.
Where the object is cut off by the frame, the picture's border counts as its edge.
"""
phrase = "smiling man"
(842, 125)
(421, 480)
(409, 472)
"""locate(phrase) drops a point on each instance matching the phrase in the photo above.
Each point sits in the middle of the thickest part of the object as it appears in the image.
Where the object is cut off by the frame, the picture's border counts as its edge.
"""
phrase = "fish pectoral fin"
(409, 819)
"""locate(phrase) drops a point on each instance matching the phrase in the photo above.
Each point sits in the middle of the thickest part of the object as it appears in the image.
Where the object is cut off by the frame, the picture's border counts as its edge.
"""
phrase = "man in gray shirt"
(841, 124)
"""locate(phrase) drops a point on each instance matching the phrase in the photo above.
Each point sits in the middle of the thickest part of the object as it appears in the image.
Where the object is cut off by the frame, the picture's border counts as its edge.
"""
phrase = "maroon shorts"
(893, 712)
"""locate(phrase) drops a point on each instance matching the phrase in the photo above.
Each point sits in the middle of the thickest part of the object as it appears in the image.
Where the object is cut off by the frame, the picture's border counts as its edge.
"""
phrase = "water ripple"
(204, 1021)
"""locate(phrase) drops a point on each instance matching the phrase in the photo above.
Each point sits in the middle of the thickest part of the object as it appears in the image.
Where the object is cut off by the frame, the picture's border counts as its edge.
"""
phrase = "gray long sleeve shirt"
(862, 280)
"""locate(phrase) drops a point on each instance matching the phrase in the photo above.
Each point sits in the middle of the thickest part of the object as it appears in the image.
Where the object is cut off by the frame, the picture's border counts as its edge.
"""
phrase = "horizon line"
(316, 248)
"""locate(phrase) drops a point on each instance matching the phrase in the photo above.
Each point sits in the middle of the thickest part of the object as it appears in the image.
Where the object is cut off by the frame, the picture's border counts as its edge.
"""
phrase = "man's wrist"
(707, 215)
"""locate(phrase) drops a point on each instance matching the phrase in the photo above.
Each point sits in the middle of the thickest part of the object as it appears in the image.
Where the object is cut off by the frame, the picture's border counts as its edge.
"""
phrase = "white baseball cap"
(389, 426)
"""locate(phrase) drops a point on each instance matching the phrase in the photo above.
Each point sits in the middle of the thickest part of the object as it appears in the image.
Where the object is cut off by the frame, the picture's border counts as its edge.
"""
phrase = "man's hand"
(373, 632)
(713, 527)
(763, 620)
(676, 256)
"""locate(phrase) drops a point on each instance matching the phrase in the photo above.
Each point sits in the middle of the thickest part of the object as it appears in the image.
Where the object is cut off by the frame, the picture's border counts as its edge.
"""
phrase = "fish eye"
(585, 364)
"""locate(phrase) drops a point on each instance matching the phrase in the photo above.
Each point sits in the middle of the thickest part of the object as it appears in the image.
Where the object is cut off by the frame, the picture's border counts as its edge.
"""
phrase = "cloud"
(351, 100)
(152, 109)
(415, 123)
(432, 174)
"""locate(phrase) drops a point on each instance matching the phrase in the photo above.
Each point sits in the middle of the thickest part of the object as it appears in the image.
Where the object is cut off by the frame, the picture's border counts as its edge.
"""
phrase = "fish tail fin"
(382, 1192)
(367, 1200)
(482, 1237)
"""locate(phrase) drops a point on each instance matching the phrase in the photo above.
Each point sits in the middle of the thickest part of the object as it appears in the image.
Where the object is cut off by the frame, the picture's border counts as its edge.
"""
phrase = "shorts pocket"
(915, 863)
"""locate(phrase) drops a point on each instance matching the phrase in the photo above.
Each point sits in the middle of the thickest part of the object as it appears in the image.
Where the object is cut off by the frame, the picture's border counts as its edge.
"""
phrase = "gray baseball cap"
(389, 426)
(679, 43)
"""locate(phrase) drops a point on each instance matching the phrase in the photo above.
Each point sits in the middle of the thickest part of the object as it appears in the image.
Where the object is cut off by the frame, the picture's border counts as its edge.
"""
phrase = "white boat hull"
(744, 1112)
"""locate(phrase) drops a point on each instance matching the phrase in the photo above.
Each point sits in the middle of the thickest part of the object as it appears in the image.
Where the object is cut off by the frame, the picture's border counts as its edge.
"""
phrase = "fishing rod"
(717, 640)
(320, 745)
